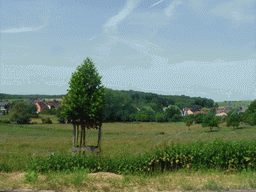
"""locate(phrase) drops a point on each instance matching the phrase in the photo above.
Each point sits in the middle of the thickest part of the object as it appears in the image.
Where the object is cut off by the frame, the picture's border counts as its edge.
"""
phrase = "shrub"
(189, 122)
(210, 120)
(23, 120)
(160, 117)
(14, 117)
(252, 119)
(5, 121)
(62, 120)
(190, 116)
(205, 109)
(198, 118)
(233, 119)
(48, 111)
(46, 120)
(177, 118)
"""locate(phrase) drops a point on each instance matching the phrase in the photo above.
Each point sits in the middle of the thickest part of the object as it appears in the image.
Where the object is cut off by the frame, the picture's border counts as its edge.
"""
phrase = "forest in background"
(120, 104)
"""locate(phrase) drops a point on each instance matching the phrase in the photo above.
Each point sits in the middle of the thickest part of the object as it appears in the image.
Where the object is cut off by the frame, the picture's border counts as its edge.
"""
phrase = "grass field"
(21, 143)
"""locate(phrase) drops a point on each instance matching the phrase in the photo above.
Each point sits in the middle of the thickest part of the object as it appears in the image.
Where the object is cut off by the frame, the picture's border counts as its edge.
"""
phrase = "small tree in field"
(189, 122)
(233, 119)
(85, 99)
(18, 110)
(210, 120)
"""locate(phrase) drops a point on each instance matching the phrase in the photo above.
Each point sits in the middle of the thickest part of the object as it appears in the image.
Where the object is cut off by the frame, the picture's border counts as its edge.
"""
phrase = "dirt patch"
(105, 175)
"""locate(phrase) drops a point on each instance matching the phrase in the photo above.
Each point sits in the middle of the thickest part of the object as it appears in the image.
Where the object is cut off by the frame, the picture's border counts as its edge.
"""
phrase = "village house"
(3, 103)
(41, 104)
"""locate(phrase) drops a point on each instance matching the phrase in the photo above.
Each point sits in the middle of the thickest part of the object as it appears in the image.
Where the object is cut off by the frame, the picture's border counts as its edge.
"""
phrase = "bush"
(177, 118)
(233, 119)
(5, 121)
(46, 120)
(14, 117)
(205, 109)
(23, 120)
(198, 118)
(160, 117)
(62, 121)
(190, 116)
(48, 111)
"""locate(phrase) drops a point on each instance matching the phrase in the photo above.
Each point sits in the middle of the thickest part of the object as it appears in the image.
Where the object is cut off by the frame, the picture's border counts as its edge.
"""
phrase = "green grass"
(21, 143)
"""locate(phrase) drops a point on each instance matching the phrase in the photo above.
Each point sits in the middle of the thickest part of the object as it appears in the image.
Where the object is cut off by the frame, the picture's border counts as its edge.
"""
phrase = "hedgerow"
(219, 154)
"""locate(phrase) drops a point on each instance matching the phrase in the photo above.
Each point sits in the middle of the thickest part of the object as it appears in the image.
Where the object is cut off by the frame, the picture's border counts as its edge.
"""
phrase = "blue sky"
(196, 48)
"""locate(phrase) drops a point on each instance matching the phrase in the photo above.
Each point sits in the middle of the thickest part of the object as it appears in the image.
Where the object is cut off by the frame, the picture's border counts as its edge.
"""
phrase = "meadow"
(20, 144)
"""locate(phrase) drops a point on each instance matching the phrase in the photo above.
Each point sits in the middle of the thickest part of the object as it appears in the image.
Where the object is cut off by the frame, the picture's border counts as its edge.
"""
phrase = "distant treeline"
(123, 105)
(135, 97)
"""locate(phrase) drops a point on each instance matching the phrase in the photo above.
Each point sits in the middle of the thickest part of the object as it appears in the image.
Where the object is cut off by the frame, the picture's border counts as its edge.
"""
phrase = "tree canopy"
(85, 99)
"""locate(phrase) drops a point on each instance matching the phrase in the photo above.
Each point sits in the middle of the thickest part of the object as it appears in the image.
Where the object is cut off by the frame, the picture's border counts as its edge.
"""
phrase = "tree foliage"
(233, 119)
(171, 111)
(31, 109)
(85, 99)
(18, 110)
(189, 122)
(210, 120)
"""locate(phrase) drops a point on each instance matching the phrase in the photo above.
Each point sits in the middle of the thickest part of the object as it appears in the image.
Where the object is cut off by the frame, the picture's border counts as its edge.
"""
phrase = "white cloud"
(235, 10)
(157, 3)
(111, 25)
(171, 8)
(20, 30)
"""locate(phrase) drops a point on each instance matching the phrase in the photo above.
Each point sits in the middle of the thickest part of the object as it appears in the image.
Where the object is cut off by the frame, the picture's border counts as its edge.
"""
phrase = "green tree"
(18, 110)
(189, 122)
(233, 119)
(160, 117)
(146, 113)
(177, 118)
(199, 118)
(31, 109)
(210, 120)
(171, 111)
(249, 115)
(86, 98)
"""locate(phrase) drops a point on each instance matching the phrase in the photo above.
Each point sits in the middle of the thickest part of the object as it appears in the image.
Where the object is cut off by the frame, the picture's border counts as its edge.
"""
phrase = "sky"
(197, 48)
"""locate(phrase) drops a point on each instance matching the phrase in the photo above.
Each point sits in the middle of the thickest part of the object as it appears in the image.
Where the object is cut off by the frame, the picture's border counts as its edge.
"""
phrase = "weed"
(212, 185)
(31, 177)
(187, 186)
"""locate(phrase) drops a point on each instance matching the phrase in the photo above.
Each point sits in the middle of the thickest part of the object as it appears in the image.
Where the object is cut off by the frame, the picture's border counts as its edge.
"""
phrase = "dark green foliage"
(198, 118)
(18, 110)
(171, 111)
(46, 120)
(86, 98)
(210, 120)
(157, 107)
(160, 117)
(190, 116)
(233, 119)
(208, 103)
(23, 120)
(177, 118)
(252, 107)
(252, 119)
(218, 154)
(5, 121)
(62, 120)
(31, 109)
(118, 107)
(189, 122)
(48, 111)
